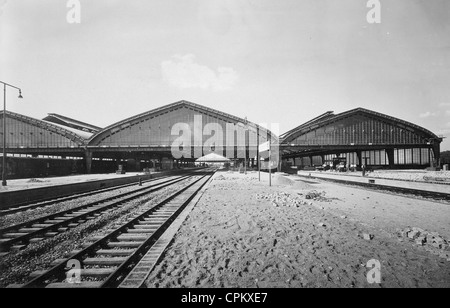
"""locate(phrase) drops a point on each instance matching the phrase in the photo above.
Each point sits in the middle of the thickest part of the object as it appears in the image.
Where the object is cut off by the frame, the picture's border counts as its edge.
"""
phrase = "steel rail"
(58, 272)
(126, 197)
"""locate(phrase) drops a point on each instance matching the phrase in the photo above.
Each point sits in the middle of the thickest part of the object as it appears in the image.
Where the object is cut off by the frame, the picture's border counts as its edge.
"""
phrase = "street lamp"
(4, 128)
(245, 143)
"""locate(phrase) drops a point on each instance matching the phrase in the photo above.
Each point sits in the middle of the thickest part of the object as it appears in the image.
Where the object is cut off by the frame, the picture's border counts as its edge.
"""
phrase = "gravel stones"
(420, 241)
(37, 181)
(317, 196)
(368, 237)
(413, 234)
(431, 241)
(282, 199)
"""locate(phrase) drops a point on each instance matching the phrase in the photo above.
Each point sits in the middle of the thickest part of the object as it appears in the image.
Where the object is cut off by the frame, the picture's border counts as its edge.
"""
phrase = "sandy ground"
(384, 212)
(237, 237)
(42, 182)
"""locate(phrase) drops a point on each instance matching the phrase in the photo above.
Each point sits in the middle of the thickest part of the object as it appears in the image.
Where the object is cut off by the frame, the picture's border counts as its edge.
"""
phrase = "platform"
(22, 184)
(358, 178)
(22, 192)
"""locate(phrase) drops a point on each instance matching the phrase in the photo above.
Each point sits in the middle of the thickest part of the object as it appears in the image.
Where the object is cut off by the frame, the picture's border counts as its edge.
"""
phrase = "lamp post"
(4, 128)
(245, 143)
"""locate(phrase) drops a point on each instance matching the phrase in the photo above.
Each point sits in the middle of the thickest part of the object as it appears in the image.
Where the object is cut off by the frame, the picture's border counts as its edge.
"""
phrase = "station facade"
(175, 135)
(168, 137)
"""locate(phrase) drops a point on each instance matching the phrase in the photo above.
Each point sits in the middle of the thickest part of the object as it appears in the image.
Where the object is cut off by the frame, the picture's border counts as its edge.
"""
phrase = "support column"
(437, 155)
(360, 159)
(258, 142)
(138, 164)
(88, 160)
(390, 155)
(159, 163)
(117, 162)
(279, 157)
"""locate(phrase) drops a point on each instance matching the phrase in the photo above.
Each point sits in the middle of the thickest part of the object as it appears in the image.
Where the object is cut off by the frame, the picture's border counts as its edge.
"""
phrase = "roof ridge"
(74, 120)
(171, 105)
(314, 120)
(352, 111)
(47, 124)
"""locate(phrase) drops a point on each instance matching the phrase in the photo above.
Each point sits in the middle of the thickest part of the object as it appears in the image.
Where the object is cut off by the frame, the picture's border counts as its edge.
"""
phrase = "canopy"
(212, 158)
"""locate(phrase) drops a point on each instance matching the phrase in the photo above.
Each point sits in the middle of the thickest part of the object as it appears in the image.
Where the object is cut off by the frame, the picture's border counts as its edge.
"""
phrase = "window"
(416, 157)
(408, 156)
(383, 159)
(401, 156)
(425, 156)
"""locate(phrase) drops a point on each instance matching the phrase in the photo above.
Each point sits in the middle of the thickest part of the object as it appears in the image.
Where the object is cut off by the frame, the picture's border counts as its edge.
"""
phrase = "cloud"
(443, 132)
(183, 72)
(427, 114)
(444, 105)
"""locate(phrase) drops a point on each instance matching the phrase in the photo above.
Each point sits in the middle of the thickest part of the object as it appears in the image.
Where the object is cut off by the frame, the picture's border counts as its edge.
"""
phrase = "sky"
(268, 60)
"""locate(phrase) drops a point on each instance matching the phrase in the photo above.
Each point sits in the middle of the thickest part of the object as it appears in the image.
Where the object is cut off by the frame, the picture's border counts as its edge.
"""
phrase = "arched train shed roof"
(329, 118)
(96, 140)
(78, 137)
(72, 123)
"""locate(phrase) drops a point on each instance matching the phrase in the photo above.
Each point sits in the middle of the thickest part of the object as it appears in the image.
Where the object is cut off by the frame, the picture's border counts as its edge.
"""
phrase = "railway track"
(18, 236)
(407, 192)
(43, 203)
(107, 261)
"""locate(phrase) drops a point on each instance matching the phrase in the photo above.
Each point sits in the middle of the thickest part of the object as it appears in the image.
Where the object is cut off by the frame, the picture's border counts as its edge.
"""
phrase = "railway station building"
(175, 135)
(360, 137)
(172, 136)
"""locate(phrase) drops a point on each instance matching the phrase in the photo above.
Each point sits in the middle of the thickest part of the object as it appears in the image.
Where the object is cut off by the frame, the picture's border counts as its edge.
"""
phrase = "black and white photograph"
(225, 150)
